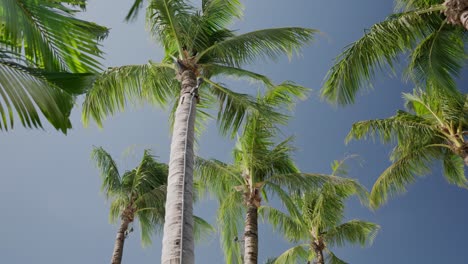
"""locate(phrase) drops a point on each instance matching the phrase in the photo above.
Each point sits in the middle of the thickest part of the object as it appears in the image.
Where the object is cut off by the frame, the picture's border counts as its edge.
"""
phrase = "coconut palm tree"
(198, 47)
(137, 194)
(423, 29)
(41, 45)
(317, 220)
(261, 169)
(434, 127)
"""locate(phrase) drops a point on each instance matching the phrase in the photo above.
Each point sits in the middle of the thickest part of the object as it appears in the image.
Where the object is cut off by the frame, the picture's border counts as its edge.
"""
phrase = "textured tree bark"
(251, 235)
(119, 242)
(179, 218)
(464, 19)
(319, 257)
(317, 247)
(456, 12)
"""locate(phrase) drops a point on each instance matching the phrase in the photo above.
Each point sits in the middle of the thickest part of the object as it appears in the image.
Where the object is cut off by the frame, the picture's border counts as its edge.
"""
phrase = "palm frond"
(26, 90)
(213, 70)
(167, 21)
(110, 176)
(151, 222)
(117, 206)
(378, 48)
(439, 58)
(401, 126)
(215, 176)
(454, 169)
(202, 229)
(134, 10)
(333, 259)
(219, 13)
(285, 95)
(151, 82)
(50, 36)
(291, 227)
(285, 198)
(234, 107)
(230, 226)
(354, 232)
(266, 43)
(401, 173)
(297, 254)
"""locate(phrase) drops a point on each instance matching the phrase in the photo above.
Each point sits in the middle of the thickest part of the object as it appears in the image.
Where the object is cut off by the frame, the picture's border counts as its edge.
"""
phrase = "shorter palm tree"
(435, 127)
(317, 221)
(138, 193)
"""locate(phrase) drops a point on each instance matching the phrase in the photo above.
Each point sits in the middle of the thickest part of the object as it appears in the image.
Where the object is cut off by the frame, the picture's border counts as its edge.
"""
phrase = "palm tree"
(198, 47)
(317, 221)
(261, 169)
(137, 194)
(436, 48)
(435, 127)
(41, 45)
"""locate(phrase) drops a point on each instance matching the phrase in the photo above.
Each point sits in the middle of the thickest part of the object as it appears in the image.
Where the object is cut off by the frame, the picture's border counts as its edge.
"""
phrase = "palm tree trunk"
(318, 247)
(179, 219)
(119, 242)
(251, 235)
(464, 19)
(456, 12)
(319, 257)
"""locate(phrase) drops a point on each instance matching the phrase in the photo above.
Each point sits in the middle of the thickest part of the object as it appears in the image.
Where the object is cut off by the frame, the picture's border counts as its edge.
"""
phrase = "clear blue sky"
(52, 211)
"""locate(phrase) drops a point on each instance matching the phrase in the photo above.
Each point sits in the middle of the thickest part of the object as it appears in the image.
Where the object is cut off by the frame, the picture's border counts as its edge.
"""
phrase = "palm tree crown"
(137, 194)
(41, 44)
(317, 220)
(436, 49)
(435, 127)
(198, 41)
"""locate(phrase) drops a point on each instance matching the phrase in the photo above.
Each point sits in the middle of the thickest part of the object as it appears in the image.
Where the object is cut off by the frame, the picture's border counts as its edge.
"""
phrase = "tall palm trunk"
(178, 226)
(119, 242)
(251, 235)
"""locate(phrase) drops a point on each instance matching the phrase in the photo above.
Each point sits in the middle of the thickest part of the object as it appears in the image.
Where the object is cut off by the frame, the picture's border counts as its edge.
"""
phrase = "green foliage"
(297, 254)
(434, 127)
(50, 36)
(143, 189)
(40, 43)
(259, 164)
(199, 37)
(318, 216)
(435, 48)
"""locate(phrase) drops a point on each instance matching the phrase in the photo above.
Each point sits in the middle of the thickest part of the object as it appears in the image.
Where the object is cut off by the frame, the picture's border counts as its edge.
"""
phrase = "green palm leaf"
(333, 259)
(354, 232)
(266, 43)
(48, 34)
(151, 82)
(294, 255)
(401, 173)
(381, 46)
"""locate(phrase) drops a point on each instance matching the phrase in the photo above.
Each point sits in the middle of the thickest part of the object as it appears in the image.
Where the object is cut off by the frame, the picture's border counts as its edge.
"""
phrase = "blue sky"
(53, 213)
